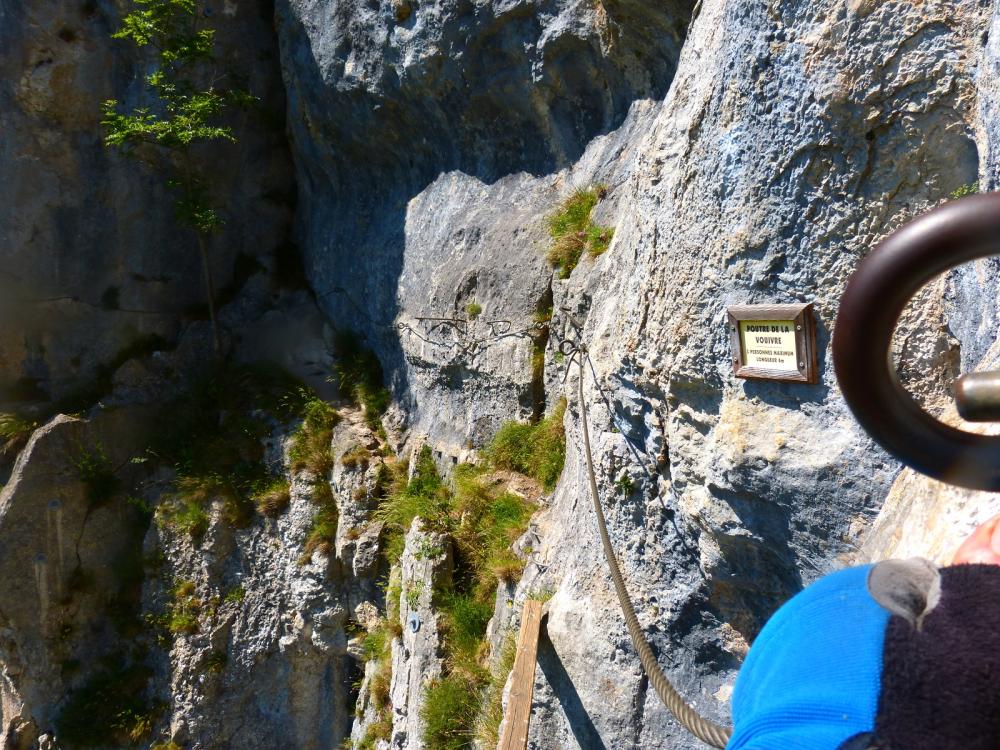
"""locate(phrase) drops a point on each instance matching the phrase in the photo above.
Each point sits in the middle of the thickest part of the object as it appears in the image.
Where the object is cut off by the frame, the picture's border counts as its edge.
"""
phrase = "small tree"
(190, 97)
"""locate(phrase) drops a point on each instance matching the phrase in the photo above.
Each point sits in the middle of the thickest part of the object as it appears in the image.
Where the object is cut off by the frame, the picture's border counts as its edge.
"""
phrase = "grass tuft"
(491, 714)
(377, 645)
(538, 450)
(323, 532)
(357, 457)
(466, 616)
(359, 377)
(378, 731)
(212, 436)
(971, 189)
(310, 449)
(573, 233)
(187, 517)
(273, 497)
(424, 495)
(184, 610)
(375, 642)
(14, 433)
(448, 712)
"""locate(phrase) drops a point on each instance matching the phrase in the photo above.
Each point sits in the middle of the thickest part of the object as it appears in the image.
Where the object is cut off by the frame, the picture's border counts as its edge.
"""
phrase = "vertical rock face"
(424, 568)
(286, 676)
(921, 516)
(92, 259)
(466, 99)
(240, 633)
(752, 153)
(792, 138)
(62, 553)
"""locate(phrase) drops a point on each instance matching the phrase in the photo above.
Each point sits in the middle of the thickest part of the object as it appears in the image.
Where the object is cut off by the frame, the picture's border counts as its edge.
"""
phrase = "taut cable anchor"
(702, 728)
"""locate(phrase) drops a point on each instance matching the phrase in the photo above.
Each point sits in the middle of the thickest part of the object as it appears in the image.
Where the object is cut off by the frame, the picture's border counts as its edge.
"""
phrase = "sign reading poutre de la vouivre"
(773, 342)
(769, 344)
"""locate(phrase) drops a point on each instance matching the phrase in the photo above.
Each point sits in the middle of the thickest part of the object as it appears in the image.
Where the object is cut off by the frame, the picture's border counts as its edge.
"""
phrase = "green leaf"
(179, 109)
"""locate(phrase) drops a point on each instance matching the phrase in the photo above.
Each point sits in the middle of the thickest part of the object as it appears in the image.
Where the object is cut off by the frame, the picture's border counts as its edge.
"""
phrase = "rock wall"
(287, 675)
(921, 516)
(62, 556)
(791, 138)
(423, 134)
(751, 152)
(263, 661)
(92, 259)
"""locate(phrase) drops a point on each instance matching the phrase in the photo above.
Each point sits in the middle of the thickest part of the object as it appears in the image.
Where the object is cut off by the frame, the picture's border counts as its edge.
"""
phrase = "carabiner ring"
(870, 308)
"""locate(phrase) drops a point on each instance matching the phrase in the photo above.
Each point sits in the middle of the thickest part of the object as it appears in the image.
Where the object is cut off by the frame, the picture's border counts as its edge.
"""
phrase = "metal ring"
(875, 297)
(567, 346)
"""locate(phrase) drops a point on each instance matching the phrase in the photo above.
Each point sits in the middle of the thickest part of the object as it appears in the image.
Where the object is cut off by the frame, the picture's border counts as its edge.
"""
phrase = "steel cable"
(702, 728)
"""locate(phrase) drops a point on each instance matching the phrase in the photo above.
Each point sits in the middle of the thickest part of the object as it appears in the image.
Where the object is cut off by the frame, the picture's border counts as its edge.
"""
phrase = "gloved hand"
(895, 656)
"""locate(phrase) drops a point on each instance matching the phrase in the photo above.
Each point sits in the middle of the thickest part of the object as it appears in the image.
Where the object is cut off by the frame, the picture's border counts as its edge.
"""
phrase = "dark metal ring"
(567, 346)
(875, 297)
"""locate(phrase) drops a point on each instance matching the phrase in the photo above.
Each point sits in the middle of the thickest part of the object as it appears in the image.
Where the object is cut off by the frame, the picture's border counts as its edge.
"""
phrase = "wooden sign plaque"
(773, 342)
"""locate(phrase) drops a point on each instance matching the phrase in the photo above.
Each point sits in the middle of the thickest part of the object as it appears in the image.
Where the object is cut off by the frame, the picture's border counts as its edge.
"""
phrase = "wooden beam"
(522, 688)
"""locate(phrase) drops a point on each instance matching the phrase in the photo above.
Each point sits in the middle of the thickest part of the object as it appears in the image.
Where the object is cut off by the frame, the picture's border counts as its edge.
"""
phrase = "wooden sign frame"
(805, 341)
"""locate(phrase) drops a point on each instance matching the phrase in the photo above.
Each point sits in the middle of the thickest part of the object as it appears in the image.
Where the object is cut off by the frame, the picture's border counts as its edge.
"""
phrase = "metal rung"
(977, 396)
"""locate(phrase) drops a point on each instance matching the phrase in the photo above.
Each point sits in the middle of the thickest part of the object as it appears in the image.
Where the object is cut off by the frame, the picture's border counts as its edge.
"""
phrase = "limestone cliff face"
(750, 153)
(50, 534)
(428, 143)
(791, 138)
(93, 262)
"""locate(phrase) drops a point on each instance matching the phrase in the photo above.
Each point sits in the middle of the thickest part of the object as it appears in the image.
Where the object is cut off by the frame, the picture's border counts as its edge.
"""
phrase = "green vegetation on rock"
(14, 433)
(449, 713)
(482, 522)
(272, 498)
(323, 530)
(537, 450)
(491, 713)
(971, 189)
(109, 710)
(310, 449)
(424, 495)
(357, 457)
(190, 103)
(94, 469)
(184, 611)
(573, 232)
(359, 377)
(211, 435)
(377, 646)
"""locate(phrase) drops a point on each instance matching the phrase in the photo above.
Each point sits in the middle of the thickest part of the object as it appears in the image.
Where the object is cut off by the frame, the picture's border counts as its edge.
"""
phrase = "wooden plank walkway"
(522, 688)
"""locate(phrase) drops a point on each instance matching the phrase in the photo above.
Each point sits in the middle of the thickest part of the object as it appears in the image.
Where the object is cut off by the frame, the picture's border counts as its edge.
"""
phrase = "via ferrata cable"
(702, 728)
